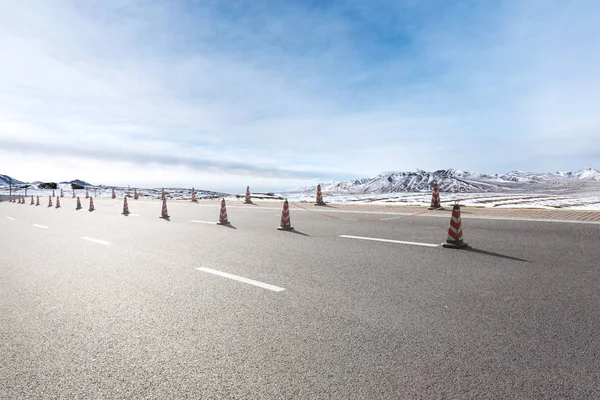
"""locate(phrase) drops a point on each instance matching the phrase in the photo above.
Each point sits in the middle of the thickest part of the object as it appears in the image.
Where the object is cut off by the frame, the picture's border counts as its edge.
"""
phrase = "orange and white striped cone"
(78, 207)
(73, 193)
(49, 201)
(87, 194)
(91, 204)
(248, 196)
(114, 196)
(135, 194)
(435, 198)
(164, 214)
(37, 201)
(285, 224)
(20, 199)
(194, 199)
(53, 193)
(125, 207)
(320, 201)
(162, 196)
(58, 202)
(32, 202)
(223, 215)
(61, 193)
(455, 233)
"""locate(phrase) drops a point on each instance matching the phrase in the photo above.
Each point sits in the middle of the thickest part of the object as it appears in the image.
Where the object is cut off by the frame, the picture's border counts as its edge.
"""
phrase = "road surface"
(99, 305)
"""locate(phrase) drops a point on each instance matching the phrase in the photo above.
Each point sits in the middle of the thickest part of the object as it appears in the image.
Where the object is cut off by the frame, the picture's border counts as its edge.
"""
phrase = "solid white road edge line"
(203, 222)
(390, 241)
(241, 279)
(95, 240)
(40, 226)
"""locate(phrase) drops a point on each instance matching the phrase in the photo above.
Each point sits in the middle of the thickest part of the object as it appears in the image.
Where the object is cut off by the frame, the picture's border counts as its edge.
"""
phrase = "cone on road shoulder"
(248, 196)
(58, 202)
(285, 224)
(194, 199)
(37, 201)
(78, 207)
(114, 196)
(61, 193)
(164, 214)
(32, 202)
(163, 194)
(49, 201)
(135, 194)
(91, 205)
(435, 198)
(455, 233)
(125, 207)
(53, 193)
(320, 201)
(87, 194)
(73, 193)
(223, 214)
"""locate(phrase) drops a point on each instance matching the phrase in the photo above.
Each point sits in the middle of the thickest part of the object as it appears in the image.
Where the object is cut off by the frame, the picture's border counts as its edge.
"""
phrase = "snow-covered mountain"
(451, 180)
(7, 180)
(77, 182)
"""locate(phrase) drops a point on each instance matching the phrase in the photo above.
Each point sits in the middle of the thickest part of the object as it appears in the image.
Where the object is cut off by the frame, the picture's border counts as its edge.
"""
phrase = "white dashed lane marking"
(89, 239)
(390, 241)
(241, 279)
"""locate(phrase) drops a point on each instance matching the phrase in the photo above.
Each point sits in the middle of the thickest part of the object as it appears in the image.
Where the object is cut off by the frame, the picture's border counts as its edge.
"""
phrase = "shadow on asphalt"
(228, 226)
(489, 253)
(298, 232)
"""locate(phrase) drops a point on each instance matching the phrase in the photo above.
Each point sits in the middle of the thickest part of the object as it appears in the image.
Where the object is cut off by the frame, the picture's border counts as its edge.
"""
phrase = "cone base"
(436, 208)
(455, 244)
(165, 217)
(248, 202)
(194, 201)
(223, 223)
(78, 208)
(91, 210)
(321, 204)
(285, 228)
(125, 213)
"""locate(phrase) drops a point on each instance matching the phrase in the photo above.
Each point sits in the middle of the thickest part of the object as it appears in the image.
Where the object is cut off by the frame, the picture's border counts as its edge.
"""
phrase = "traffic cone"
(223, 215)
(87, 194)
(320, 201)
(455, 234)
(435, 198)
(61, 193)
(32, 203)
(78, 207)
(248, 197)
(73, 193)
(164, 213)
(53, 193)
(125, 207)
(91, 204)
(163, 194)
(37, 201)
(135, 194)
(58, 202)
(194, 199)
(114, 196)
(285, 218)
(49, 201)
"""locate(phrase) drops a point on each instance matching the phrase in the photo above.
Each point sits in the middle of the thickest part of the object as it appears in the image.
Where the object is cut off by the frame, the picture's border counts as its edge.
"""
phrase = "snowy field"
(576, 201)
(491, 200)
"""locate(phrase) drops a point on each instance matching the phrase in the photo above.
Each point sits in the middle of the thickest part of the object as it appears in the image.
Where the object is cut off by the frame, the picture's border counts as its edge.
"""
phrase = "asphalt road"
(137, 310)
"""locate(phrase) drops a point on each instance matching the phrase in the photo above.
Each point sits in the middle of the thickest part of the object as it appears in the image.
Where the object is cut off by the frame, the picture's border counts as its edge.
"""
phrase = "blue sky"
(280, 94)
